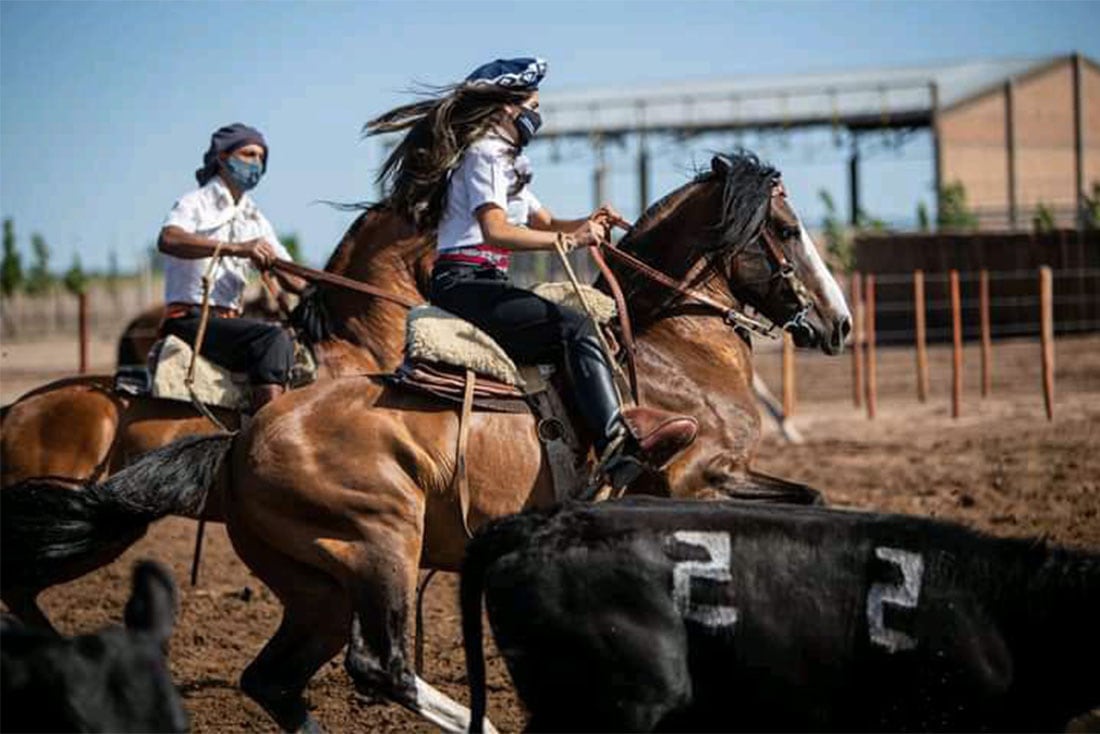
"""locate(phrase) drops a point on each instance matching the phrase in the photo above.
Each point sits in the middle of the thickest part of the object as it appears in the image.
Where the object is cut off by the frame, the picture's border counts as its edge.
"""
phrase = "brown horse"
(336, 494)
(80, 429)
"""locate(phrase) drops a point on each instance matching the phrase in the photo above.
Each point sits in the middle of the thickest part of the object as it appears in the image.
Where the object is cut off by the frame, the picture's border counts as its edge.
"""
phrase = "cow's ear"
(720, 165)
(152, 604)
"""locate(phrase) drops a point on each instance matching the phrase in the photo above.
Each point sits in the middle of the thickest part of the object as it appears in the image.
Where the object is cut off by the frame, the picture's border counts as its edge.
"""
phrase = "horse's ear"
(720, 165)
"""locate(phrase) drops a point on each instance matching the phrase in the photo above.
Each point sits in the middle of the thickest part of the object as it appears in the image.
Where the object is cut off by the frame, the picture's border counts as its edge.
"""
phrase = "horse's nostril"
(845, 327)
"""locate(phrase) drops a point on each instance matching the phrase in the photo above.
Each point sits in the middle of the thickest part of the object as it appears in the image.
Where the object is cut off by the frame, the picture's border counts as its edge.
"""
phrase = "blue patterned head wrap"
(523, 74)
(227, 139)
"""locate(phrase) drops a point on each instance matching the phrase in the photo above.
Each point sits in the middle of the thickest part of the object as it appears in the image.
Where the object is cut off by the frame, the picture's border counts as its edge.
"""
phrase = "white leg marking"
(443, 711)
(716, 567)
(905, 595)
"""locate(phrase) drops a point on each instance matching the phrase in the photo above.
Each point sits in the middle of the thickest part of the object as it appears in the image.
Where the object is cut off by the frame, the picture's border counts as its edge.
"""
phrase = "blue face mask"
(243, 174)
(527, 123)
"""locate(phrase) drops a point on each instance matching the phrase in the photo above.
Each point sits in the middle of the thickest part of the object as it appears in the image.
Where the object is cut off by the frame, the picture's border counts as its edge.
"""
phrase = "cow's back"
(702, 615)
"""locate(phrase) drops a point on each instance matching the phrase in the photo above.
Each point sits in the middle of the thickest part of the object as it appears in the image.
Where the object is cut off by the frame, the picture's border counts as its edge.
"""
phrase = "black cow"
(646, 614)
(114, 680)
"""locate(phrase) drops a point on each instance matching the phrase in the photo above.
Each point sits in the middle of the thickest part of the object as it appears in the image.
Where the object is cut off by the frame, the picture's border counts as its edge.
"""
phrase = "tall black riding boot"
(654, 436)
(594, 386)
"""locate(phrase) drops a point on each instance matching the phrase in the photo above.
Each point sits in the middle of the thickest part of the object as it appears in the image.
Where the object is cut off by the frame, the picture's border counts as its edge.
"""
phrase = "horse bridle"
(732, 316)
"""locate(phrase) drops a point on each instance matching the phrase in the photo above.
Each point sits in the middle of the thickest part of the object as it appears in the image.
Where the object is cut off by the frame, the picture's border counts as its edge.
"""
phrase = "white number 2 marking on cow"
(906, 595)
(716, 567)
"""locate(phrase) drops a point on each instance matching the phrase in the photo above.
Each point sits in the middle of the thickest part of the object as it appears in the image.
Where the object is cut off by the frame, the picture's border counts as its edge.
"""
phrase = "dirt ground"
(1001, 467)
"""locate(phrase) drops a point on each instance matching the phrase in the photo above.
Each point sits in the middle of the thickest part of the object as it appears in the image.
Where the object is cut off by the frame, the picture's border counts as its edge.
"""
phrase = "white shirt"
(485, 175)
(209, 211)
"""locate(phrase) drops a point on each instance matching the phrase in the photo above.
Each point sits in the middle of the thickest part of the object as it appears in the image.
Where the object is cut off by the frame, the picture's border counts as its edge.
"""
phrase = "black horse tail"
(495, 540)
(51, 533)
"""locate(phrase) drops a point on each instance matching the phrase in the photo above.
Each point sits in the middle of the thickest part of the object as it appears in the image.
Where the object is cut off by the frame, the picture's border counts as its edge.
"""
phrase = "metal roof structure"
(858, 99)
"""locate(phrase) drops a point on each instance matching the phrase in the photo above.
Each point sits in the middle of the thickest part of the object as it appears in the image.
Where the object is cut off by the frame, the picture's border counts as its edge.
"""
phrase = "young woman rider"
(460, 169)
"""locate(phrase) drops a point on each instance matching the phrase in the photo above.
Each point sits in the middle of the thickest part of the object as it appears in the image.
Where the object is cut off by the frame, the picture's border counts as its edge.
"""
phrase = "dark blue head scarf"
(522, 74)
(226, 140)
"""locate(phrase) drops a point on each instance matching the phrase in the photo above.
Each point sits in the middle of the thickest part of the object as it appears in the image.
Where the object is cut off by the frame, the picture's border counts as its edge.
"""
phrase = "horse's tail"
(51, 533)
(494, 541)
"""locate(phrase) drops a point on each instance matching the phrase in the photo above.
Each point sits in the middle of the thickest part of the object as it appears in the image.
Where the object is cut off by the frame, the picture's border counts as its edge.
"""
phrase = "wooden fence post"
(957, 357)
(788, 375)
(856, 288)
(1046, 335)
(987, 344)
(82, 316)
(869, 325)
(921, 335)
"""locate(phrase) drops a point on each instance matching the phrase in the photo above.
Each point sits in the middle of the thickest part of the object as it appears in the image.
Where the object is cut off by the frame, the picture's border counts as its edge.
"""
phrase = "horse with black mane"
(337, 493)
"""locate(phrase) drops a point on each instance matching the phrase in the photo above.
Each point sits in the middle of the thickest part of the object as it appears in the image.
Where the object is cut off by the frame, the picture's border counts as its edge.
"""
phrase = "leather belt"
(176, 310)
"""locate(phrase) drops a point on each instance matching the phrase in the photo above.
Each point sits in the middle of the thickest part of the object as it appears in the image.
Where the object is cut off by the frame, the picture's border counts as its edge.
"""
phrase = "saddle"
(451, 359)
(169, 361)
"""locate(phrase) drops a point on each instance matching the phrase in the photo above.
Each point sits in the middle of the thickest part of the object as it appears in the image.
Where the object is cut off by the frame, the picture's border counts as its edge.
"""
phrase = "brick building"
(1030, 140)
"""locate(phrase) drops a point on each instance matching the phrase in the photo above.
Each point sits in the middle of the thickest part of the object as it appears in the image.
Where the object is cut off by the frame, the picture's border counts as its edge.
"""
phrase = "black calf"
(645, 614)
(114, 680)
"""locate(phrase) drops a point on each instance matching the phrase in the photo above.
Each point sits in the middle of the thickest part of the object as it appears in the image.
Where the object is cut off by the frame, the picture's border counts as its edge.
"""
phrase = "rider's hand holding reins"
(609, 217)
(258, 250)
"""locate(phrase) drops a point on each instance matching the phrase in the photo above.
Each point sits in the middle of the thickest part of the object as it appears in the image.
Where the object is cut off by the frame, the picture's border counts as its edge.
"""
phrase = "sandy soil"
(1001, 467)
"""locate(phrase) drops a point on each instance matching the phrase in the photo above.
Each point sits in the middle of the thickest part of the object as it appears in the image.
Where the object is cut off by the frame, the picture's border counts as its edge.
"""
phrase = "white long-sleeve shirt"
(210, 211)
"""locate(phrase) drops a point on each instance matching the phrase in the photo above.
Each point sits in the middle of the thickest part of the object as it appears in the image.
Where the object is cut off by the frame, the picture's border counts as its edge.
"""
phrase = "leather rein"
(731, 315)
(321, 276)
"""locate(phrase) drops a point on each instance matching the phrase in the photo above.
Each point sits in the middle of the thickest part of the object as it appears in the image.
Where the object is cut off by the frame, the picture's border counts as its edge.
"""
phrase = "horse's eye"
(790, 233)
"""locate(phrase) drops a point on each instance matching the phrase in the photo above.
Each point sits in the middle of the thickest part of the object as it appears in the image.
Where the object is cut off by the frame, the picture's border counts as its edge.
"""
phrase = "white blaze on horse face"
(716, 567)
(907, 594)
(812, 271)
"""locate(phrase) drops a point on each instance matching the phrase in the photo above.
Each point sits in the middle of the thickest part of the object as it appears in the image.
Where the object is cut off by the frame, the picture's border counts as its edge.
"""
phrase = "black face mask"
(527, 124)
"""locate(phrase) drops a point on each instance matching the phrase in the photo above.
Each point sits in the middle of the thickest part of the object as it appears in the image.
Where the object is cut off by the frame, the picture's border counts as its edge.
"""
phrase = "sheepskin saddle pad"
(214, 385)
(435, 335)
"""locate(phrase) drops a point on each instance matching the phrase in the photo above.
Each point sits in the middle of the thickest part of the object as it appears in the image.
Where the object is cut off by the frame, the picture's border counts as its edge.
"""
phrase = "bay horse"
(337, 493)
(80, 430)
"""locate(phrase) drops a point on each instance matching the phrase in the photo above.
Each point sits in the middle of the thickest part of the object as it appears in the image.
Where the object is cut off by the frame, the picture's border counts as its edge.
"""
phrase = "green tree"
(1043, 220)
(11, 268)
(293, 246)
(953, 212)
(838, 240)
(112, 271)
(39, 278)
(75, 280)
(155, 258)
(924, 222)
(1092, 208)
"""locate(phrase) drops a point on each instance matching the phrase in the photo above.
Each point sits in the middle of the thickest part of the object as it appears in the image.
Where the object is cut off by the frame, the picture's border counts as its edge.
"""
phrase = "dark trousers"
(530, 329)
(265, 351)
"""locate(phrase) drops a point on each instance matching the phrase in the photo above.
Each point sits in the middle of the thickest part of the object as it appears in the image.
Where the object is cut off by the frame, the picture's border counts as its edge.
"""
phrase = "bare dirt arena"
(1001, 468)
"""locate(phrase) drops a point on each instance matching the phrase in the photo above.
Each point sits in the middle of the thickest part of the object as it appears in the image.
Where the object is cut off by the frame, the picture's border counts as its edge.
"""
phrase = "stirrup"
(615, 467)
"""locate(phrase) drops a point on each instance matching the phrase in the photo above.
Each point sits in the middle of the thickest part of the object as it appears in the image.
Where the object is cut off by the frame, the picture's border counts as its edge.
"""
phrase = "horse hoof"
(368, 699)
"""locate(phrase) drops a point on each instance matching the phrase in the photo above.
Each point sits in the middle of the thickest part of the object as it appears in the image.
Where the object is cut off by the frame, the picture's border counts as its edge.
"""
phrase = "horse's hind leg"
(316, 618)
(384, 585)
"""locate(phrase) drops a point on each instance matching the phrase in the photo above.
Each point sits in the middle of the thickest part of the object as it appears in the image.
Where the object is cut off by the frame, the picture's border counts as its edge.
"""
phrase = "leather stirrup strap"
(624, 320)
(459, 482)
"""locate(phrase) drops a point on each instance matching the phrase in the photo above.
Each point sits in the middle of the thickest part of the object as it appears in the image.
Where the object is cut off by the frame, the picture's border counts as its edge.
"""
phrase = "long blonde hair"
(440, 129)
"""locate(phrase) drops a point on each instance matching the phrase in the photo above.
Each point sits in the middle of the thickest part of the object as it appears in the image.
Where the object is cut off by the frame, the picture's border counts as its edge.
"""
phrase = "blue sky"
(106, 107)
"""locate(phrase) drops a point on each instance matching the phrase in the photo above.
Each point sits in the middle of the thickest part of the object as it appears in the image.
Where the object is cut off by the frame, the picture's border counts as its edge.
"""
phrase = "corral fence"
(1011, 261)
(110, 306)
